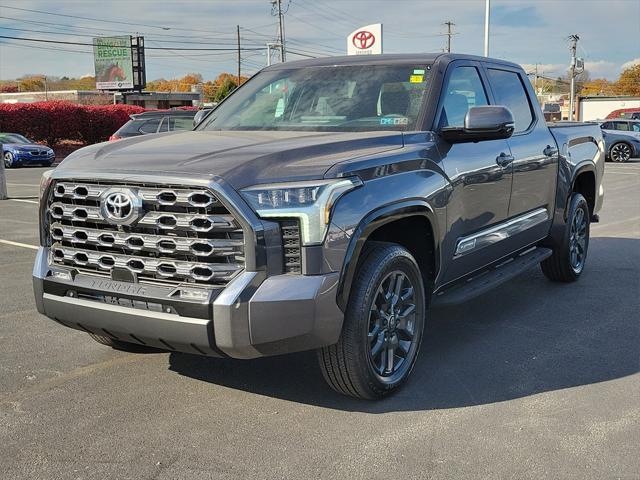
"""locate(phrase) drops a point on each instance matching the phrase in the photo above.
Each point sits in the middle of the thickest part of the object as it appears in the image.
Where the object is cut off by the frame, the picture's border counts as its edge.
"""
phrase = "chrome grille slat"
(180, 197)
(177, 234)
(183, 270)
(151, 243)
(196, 222)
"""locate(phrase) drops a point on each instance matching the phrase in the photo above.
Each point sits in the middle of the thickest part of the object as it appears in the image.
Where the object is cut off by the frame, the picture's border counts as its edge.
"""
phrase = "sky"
(527, 32)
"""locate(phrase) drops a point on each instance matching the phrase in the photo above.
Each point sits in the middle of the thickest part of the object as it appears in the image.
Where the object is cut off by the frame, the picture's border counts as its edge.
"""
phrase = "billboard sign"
(113, 63)
(365, 40)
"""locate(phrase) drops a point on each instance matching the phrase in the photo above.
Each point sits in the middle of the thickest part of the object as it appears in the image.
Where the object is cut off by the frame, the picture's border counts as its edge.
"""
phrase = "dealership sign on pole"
(119, 63)
(365, 40)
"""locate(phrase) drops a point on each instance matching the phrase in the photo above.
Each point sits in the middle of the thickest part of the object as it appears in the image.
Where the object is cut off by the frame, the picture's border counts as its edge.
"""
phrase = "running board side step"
(488, 279)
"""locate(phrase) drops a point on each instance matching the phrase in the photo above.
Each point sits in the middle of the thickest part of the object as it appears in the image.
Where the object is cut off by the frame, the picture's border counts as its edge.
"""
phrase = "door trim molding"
(500, 232)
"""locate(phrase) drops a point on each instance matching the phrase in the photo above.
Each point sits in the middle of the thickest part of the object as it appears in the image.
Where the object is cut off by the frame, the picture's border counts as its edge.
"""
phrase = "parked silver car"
(622, 138)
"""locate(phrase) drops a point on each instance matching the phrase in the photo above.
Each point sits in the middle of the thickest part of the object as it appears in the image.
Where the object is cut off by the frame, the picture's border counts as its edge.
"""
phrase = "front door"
(480, 174)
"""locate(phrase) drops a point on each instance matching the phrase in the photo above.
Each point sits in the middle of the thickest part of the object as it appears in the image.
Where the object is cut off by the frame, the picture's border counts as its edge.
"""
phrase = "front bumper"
(27, 159)
(253, 316)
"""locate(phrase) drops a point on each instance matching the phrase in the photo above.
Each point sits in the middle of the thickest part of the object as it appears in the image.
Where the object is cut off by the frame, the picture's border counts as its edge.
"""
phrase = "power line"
(146, 48)
(136, 24)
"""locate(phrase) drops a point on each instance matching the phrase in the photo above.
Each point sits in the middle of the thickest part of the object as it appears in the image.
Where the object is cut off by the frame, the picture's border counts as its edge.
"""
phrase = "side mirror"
(489, 122)
(200, 114)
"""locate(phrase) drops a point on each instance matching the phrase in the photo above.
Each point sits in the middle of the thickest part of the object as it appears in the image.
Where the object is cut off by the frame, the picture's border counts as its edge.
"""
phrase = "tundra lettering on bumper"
(251, 317)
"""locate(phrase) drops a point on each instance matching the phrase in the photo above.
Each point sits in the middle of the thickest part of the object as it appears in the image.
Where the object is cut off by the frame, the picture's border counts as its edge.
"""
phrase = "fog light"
(194, 294)
(61, 275)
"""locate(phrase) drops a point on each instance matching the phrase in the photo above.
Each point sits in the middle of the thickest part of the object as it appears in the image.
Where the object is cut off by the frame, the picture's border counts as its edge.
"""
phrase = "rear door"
(534, 151)
(481, 186)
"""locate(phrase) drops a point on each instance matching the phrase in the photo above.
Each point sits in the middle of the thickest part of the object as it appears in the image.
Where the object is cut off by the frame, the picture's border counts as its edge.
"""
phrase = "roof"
(385, 59)
(164, 113)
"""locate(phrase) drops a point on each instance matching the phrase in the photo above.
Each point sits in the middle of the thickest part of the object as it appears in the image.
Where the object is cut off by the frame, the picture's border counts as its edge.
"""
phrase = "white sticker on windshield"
(394, 121)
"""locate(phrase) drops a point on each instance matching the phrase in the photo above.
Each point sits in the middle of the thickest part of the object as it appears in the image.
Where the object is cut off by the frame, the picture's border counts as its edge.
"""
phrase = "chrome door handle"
(550, 151)
(503, 159)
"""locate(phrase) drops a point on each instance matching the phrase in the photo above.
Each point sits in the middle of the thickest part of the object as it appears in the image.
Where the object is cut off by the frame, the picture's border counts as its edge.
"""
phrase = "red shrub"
(52, 122)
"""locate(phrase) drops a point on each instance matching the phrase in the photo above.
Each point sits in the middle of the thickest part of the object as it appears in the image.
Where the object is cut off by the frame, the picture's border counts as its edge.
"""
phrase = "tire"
(120, 345)
(8, 159)
(378, 320)
(620, 152)
(568, 259)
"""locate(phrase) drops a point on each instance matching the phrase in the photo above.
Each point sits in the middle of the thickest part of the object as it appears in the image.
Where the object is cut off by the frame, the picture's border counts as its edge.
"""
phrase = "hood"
(241, 158)
(25, 146)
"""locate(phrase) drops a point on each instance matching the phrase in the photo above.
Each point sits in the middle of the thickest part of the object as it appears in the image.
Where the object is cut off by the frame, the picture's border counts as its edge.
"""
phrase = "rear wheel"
(383, 326)
(568, 260)
(620, 152)
(120, 345)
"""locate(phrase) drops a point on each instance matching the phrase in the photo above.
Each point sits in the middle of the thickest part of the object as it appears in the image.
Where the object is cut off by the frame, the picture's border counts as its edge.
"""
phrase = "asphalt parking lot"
(534, 380)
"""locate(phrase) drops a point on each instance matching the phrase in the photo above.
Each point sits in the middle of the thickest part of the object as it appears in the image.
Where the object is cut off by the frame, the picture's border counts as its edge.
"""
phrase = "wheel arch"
(584, 182)
(417, 217)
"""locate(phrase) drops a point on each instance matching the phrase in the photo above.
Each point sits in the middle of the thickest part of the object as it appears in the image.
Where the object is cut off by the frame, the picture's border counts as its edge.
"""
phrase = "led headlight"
(310, 202)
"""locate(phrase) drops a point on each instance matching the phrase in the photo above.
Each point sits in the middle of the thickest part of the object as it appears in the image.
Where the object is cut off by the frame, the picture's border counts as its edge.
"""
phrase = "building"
(162, 100)
(598, 107)
(83, 97)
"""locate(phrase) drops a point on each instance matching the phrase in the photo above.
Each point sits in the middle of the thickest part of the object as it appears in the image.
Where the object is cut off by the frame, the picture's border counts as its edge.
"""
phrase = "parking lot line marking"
(23, 185)
(623, 173)
(18, 244)
(24, 201)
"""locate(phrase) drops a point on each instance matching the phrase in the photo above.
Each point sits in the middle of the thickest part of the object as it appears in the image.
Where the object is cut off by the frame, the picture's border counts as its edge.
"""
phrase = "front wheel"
(383, 325)
(8, 159)
(620, 152)
(568, 259)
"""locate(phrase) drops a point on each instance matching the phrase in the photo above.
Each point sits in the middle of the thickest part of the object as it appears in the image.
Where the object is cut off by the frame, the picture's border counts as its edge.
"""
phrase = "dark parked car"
(326, 204)
(18, 151)
(622, 139)
(155, 121)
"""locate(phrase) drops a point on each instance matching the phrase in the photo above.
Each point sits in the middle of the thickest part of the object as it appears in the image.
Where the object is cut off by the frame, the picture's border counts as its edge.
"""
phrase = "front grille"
(291, 246)
(180, 235)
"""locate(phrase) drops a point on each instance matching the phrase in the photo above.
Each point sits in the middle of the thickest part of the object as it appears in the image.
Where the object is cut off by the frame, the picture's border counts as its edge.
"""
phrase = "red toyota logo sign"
(363, 39)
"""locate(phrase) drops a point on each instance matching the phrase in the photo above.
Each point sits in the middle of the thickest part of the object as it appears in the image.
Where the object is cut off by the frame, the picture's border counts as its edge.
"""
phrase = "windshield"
(350, 98)
(14, 138)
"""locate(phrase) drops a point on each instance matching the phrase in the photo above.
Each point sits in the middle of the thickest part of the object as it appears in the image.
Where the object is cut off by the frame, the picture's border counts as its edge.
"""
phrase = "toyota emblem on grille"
(120, 206)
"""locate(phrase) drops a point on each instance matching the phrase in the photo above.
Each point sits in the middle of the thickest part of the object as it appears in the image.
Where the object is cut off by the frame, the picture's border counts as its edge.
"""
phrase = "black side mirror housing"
(488, 122)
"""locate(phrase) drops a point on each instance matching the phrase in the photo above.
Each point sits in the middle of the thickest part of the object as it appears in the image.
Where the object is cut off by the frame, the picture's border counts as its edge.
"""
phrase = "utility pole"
(449, 24)
(535, 80)
(277, 4)
(573, 39)
(238, 34)
(487, 12)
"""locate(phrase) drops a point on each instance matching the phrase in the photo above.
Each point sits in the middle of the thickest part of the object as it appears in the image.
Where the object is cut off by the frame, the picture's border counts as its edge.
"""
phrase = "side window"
(180, 123)
(635, 127)
(463, 91)
(164, 125)
(623, 126)
(510, 92)
(606, 126)
(150, 126)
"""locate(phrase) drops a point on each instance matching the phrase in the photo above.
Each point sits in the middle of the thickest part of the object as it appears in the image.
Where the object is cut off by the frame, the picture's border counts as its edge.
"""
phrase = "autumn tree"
(629, 81)
(599, 86)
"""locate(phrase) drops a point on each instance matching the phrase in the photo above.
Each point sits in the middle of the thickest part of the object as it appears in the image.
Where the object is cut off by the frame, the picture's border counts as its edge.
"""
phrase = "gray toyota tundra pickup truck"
(327, 204)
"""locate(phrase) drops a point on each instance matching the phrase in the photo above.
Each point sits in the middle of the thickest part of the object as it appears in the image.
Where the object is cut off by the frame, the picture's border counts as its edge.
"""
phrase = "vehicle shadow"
(527, 337)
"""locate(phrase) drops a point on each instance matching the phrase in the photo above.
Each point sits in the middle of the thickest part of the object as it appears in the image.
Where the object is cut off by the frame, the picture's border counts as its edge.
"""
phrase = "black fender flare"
(586, 166)
(371, 222)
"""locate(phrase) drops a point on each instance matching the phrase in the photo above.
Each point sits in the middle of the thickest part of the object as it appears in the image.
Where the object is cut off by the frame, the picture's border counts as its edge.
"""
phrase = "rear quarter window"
(509, 91)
